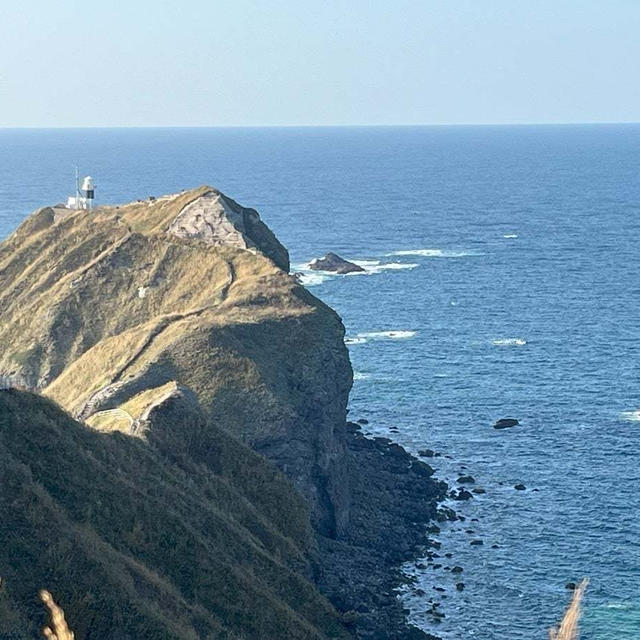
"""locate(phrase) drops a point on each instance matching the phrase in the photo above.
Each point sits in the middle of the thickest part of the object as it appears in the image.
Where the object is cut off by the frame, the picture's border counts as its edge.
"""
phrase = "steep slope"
(137, 545)
(191, 289)
(172, 327)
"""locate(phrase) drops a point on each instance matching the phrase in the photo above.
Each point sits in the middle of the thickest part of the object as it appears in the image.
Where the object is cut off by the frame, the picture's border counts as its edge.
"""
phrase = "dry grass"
(58, 628)
(568, 628)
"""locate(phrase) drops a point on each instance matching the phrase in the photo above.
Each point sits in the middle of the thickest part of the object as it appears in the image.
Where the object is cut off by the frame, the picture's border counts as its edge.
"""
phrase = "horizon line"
(325, 126)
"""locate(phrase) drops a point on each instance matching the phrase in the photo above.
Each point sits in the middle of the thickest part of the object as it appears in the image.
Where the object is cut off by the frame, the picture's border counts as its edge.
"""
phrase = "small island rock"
(505, 423)
(334, 263)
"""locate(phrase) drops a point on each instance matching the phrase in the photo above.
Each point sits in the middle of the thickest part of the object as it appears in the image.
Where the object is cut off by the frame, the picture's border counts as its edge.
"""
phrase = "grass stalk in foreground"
(568, 629)
(57, 629)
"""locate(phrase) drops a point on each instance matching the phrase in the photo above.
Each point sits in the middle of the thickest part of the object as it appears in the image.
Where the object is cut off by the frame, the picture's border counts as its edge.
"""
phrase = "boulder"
(334, 263)
(466, 480)
(505, 423)
(462, 494)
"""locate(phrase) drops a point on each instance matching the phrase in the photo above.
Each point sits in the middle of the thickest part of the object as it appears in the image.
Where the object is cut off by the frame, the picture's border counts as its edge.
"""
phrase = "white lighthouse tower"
(85, 194)
(88, 190)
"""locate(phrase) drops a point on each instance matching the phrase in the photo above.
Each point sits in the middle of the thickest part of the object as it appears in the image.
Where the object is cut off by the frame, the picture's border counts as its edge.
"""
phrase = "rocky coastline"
(174, 324)
(394, 502)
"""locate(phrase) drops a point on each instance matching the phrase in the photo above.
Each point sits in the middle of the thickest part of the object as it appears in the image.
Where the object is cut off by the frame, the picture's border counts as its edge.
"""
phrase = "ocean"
(502, 280)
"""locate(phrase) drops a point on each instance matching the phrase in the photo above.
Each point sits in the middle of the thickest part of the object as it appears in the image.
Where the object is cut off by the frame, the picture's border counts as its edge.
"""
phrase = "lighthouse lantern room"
(85, 194)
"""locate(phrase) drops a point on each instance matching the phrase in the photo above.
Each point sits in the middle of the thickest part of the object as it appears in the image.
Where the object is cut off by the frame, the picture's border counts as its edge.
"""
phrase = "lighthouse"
(85, 194)
(88, 191)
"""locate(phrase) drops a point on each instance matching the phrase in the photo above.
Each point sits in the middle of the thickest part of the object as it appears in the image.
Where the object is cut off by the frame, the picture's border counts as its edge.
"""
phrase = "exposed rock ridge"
(218, 220)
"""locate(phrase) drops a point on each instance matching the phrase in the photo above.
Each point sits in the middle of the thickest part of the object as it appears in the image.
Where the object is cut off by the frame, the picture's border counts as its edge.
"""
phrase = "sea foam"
(435, 253)
(376, 266)
(361, 338)
(509, 342)
(631, 416)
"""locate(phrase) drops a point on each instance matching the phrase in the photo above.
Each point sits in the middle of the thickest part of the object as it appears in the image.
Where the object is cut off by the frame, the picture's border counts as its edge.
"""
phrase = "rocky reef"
(172, 328)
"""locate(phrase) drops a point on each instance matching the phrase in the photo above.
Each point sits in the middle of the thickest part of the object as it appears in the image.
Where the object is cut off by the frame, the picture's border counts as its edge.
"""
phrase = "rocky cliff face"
(103, 310)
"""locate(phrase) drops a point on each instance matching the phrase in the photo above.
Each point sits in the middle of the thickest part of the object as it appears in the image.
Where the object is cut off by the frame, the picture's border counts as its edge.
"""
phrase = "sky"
(326, 62)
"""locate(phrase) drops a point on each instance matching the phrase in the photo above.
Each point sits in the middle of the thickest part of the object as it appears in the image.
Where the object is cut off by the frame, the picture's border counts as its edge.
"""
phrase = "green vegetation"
(139, 543)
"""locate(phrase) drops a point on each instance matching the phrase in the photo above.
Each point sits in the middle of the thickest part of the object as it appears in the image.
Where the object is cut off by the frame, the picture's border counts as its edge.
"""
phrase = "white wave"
(434, 253)
(510, 235)
(631, 416)
(311, 278)
(361, 338)
(509, 342)
(376, 266)
(357, 375)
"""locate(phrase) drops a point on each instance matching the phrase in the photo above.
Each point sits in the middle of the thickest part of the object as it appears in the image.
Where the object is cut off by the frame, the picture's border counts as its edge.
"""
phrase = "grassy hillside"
(137, 541)
(98, 309)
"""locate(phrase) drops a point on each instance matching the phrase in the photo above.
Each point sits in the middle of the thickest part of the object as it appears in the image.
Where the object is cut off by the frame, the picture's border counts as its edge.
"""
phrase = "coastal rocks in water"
(460, 586)
(393, 506)
(334, 263)
(461, 494)
(426, 453)
(466, 480)
(520, 487)
(478, 490)
(476, 543)
(505, 423)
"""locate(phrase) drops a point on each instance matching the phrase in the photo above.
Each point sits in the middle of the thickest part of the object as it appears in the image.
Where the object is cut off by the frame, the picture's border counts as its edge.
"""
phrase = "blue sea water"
(502, 280)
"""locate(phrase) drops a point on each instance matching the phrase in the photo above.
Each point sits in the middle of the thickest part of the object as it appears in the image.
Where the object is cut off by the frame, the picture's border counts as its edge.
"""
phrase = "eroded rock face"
(220, 221)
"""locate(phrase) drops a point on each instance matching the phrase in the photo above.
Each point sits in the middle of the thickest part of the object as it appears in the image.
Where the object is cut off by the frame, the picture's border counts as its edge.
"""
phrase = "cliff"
(101, 308)
(175, 348)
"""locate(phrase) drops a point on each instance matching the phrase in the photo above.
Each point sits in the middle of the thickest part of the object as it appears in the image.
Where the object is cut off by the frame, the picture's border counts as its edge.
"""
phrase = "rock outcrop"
(335, 264)
(505, 423)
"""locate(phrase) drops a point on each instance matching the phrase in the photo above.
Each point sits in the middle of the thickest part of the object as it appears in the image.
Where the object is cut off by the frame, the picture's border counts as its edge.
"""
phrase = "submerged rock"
(334, 263)
(505, 423)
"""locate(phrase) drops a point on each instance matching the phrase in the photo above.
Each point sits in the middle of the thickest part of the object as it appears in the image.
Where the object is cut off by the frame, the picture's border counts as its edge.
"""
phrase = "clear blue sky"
(295, 62)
